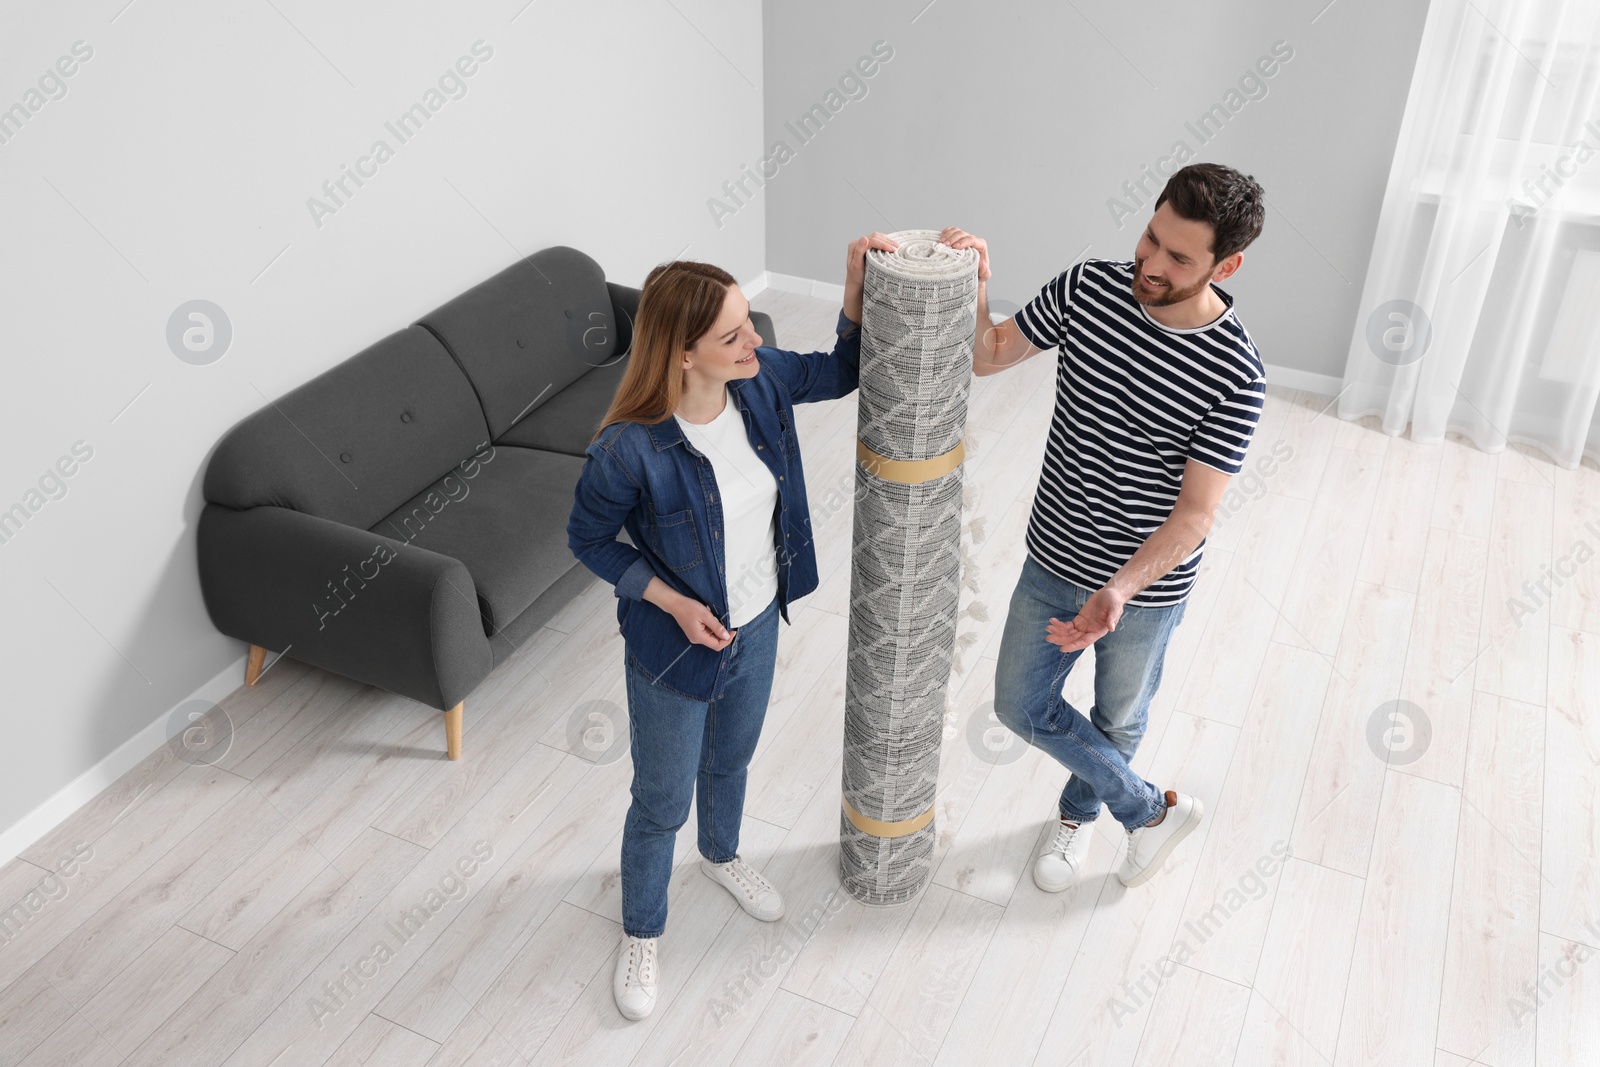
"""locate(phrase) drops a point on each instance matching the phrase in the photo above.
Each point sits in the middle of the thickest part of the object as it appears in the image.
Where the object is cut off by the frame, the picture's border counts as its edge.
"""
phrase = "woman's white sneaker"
(1058, 867)
(753, 892)
(634, 983)
(1149, 846)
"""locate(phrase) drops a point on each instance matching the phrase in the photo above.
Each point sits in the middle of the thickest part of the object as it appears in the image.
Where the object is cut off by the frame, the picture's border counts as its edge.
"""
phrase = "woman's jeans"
(1127, 672)
(687, 749)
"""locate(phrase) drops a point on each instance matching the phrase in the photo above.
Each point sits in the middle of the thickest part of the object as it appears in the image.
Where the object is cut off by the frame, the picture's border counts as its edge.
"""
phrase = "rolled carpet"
(919, 310)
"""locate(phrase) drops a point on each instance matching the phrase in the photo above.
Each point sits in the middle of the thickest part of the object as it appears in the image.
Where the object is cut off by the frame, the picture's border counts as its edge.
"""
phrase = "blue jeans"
(1127, 672)
(686, 749)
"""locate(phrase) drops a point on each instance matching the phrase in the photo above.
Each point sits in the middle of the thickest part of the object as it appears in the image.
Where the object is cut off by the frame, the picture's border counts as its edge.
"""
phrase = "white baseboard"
(1287, 377)
(755, 286)
(90, 783)
(1310, 381)
(790, 283)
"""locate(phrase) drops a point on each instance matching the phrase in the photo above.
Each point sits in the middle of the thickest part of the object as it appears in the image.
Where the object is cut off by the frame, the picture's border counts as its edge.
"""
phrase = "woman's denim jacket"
(649, 480)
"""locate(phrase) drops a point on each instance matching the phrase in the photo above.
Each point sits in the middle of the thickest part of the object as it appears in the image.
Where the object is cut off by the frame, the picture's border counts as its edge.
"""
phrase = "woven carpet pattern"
(920, 307)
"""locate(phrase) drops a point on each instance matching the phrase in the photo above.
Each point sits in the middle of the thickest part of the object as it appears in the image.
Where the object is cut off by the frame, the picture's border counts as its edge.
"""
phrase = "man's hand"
(855, 270)
(1098, 617)
(958, 238)
(994, 347)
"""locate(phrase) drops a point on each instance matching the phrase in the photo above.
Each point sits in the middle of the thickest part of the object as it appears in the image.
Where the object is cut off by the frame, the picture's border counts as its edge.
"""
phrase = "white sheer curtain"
(1481, 307)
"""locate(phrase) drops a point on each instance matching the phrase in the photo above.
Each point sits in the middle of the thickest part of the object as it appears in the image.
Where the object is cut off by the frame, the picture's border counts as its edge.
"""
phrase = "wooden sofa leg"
(252, 666)
(452, 731)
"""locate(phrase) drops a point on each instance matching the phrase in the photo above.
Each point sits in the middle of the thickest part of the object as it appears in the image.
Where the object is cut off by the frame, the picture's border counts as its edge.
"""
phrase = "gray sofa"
(400, 519)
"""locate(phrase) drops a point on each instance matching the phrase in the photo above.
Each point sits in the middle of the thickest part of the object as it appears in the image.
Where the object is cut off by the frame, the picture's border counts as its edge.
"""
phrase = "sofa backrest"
(530, 331)
(358, 440)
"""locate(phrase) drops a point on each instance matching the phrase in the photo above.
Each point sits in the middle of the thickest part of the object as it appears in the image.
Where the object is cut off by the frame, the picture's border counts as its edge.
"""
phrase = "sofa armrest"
(625, 302)
(625, 306)
(365, 606)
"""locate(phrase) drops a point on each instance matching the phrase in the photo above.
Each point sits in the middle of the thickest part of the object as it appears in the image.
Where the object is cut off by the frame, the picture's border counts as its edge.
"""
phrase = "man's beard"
(1166, 294)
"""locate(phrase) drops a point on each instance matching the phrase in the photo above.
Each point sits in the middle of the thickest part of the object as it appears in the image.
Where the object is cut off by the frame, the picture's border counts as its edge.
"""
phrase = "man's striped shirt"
(1134, 401)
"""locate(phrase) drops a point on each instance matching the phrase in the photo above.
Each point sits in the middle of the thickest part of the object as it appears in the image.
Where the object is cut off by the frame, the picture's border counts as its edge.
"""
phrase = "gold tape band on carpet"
(910, 471)
(878, 828)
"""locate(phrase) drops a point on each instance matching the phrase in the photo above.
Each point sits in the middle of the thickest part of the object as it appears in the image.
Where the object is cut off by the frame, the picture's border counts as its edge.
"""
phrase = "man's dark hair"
(1231, 202)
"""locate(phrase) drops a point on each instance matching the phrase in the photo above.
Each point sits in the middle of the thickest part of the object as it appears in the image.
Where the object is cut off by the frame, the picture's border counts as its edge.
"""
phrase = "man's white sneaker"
(753, 892)
(1149, 846)
(1058, 867)
(634, 983)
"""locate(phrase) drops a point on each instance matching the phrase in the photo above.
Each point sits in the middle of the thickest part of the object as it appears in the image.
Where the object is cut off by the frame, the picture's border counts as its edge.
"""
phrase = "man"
(1158, 392)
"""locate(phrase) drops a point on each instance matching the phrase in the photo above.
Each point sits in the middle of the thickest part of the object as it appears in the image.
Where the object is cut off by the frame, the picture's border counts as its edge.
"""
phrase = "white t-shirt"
(749, 510)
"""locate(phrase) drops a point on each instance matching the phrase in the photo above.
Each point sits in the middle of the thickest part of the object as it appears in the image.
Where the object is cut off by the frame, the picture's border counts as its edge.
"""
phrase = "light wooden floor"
(1445, 911)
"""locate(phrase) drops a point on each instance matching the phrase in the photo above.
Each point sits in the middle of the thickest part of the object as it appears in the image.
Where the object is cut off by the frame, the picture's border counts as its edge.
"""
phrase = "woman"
(697, 459)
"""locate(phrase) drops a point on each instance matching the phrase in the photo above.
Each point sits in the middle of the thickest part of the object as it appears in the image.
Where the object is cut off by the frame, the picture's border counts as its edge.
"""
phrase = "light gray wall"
(178, 164)
(1019, 120)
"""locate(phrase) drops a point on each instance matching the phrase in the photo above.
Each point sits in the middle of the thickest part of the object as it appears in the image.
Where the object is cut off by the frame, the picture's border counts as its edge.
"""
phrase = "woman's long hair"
(679, 304)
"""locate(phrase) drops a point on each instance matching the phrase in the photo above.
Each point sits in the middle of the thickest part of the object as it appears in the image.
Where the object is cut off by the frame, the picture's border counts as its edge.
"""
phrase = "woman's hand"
(956, 237)
(700, 624)
(855, 270)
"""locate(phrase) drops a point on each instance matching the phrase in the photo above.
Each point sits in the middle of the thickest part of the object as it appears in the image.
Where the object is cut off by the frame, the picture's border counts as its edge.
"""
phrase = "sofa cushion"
(527, 333)
(356, 441)
(504, 514)
(567, 421)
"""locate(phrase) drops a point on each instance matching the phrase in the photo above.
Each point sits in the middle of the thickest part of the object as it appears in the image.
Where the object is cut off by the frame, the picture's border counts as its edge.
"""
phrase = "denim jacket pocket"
(675, 538)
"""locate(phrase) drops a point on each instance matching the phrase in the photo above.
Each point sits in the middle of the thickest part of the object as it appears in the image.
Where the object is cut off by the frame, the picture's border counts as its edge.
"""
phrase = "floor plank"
(912, 1002)
(1569, 904)
(1564, 1006)
(130, 1007)
(1300, 983)
(1196, 1020)
(1254, 818)
(1492, 945)
(221, 1015)
(794, 1030)
(1391, 1004)
(1358, 733)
